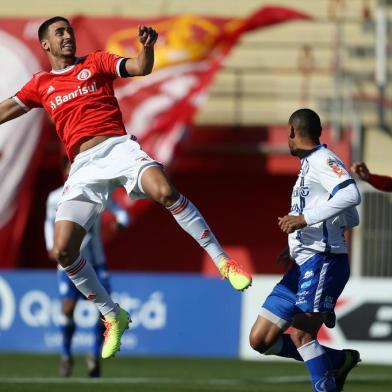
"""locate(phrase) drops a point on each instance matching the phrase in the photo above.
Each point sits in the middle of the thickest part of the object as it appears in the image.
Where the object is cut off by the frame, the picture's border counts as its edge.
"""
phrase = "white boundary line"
(167, 380)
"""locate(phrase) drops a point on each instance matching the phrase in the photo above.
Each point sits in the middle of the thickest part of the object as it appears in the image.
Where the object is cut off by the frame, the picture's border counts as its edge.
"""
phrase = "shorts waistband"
(101, 146)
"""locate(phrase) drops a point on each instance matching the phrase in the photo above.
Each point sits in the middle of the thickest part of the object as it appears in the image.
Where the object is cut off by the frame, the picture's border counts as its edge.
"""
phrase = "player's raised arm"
(361, 170)
(143, 64)
(383, 183)
(9, 109)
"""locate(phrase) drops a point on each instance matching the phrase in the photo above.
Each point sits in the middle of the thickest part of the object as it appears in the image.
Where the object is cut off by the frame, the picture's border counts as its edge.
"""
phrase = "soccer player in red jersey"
(78, 95)
(383, 183)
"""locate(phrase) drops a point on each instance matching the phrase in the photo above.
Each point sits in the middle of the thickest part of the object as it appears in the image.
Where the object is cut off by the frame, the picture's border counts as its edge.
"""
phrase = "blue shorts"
(311, 287)
(67, 289)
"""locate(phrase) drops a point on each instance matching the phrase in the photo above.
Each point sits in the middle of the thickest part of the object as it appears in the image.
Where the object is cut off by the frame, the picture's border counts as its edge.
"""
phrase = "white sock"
(68, 320)
(85, 279)
(191, 220)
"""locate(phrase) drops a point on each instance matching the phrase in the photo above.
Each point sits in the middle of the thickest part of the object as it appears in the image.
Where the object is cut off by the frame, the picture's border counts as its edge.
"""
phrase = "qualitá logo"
(7, 305)
(150, 314)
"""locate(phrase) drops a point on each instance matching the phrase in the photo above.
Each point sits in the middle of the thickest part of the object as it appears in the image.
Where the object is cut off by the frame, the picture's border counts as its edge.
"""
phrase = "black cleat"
(352, 360)
(66, 366)
(93, 366)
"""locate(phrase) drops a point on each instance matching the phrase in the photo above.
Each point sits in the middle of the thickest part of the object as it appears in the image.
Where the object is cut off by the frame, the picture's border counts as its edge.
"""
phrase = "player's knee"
(166, 195)
(258, 342)
(63, 255)
(300, 337)
(65, 251)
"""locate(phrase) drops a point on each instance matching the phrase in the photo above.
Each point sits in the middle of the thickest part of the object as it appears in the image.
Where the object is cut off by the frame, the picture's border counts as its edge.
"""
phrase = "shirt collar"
(310, 152)
(68, 68)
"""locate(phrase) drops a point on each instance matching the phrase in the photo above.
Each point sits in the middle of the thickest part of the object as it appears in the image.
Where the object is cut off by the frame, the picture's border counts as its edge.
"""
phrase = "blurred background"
(228, 75)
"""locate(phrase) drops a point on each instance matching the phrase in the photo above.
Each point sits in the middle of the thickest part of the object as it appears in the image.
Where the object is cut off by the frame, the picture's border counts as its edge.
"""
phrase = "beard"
(293, 150)
(69, 55)
(58, 51)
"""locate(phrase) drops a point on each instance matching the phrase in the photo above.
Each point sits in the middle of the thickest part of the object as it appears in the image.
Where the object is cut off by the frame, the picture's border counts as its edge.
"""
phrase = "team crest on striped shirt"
(84, 74)
(338, 170)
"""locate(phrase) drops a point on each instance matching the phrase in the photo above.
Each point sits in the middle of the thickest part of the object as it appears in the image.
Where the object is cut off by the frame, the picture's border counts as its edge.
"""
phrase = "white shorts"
(96, 172)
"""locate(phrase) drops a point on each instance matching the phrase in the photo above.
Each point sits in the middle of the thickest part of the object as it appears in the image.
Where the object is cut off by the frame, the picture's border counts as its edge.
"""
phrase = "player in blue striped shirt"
(322, 208)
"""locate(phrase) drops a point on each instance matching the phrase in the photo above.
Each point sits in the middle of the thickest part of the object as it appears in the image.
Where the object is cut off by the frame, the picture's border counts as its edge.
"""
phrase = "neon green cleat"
(114, 330)
(235, 273)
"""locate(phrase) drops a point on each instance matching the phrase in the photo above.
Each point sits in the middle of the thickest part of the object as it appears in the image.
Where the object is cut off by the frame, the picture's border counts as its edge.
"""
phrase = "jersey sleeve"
(348, 219)
(348, 197)
(383, 183)
(331, 173)
(27, 97)
(109, 63)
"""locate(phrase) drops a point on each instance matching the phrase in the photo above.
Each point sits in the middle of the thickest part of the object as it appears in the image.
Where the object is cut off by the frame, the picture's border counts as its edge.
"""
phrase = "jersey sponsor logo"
(78, 92)
(335, 166)
(50, 90)
(84, 74)
(302, 191)
(308, 274)
(306, 284)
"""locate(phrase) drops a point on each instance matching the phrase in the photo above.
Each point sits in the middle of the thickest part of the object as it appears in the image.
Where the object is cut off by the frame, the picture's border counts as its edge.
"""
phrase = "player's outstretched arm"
(143, 64)
(383, 183)
(9, 110)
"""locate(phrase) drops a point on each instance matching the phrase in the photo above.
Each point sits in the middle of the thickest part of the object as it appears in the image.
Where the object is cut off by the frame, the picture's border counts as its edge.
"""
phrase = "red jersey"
(80, 99)
(383, 183)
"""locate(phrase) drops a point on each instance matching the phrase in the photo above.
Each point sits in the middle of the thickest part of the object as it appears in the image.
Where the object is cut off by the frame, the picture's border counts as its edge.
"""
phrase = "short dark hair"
(307, 122)
(43, 29)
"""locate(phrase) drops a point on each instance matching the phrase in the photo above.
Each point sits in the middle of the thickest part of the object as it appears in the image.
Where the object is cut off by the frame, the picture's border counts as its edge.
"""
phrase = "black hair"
(307, 123)
(43, 29)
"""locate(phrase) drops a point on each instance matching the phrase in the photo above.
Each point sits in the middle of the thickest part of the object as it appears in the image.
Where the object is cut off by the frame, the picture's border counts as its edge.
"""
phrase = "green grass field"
(38, 373)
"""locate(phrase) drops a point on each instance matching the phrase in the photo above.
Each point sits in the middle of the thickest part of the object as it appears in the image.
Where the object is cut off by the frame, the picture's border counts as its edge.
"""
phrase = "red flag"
(190, 50)
(156, 108)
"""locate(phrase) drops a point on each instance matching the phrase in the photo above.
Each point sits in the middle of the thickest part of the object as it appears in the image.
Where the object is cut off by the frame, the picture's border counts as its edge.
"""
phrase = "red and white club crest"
(84, 74)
